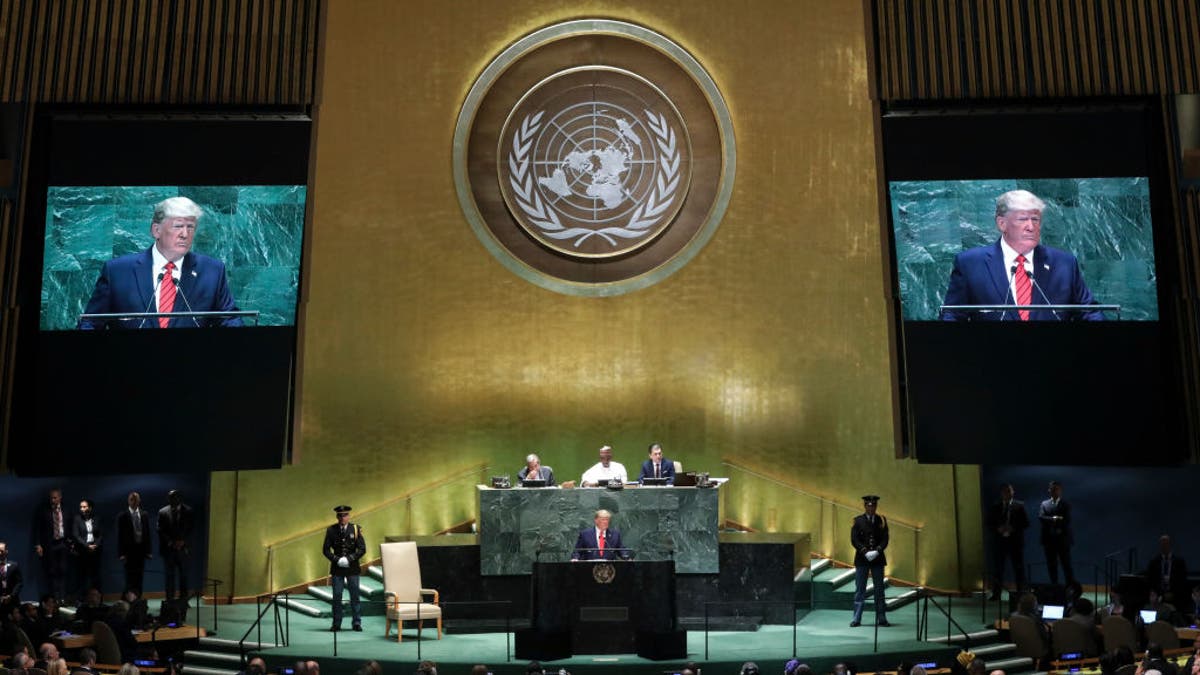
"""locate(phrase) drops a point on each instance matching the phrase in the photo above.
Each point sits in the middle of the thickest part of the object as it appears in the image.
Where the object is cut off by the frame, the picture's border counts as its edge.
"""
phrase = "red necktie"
(166, 294)
(1024, 287)
(601, 543)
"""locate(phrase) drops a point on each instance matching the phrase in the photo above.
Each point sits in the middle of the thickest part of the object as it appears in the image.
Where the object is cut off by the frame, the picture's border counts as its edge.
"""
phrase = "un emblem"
(603, 573)
(597, 162)
(579, 172)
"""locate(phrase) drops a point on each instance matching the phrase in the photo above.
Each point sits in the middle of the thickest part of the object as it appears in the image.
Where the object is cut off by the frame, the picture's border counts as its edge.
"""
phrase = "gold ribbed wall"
(423, 356)
(976, 49)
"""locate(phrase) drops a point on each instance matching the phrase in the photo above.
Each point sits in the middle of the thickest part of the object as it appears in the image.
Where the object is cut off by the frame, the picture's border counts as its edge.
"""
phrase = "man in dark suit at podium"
(1018, 270)
(167, 277)
(600, 542)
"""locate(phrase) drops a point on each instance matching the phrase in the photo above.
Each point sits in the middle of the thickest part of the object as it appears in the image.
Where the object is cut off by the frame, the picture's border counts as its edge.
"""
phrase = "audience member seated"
(9, 640)
(257, 666)
(793, 667)
(20, 662)
(427, 667)
(91, 609)
(117, 620)
(1165, 611)
(1084, 612)
(57, 667)
(749, 668)
(309, 667)
(87, 662)
(1156, 661)
(374, 667)
(30, 623)
(51, 618)
(1027, 606)
(46, 653)
(128, 669)
(976, 667)
(479, 669)
(139, 611)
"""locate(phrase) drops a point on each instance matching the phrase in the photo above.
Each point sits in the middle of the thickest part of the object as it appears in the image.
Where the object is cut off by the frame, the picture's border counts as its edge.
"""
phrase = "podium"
(603, 607)
(150, 319)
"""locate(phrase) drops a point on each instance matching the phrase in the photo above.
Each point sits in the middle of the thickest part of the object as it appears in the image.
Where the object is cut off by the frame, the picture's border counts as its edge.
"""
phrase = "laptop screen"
(1149, 615)
(1052, 612)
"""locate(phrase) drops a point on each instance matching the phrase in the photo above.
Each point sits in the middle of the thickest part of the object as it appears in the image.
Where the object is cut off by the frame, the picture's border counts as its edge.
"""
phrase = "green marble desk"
(659, 523)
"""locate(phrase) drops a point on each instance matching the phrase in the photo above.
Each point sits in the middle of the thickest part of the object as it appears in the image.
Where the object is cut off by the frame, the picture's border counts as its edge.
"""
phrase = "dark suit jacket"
(126, 546)
(1018, 519)
(1177, 584)
(44, 527)
(126, 284)
(169, 531)
(78, 532)
(544, 473)
(865, 536)
(1056, 531)
(979, 278)
(586, 546)
(13, 580)
(351, 545)
(667, 469)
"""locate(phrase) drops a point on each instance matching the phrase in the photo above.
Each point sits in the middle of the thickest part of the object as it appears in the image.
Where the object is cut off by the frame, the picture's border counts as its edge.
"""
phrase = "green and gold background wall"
(424, 360)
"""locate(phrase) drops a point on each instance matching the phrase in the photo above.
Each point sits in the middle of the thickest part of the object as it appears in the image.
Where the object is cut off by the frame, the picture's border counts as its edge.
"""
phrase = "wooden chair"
(108, 650)
(1118, 632)
(1072, 637)
(402, 589)
(1026, 636)
(1162, 633)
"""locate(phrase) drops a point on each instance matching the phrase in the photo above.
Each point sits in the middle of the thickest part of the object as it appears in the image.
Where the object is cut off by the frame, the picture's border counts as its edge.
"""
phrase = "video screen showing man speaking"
(968, 244)
(216, 256)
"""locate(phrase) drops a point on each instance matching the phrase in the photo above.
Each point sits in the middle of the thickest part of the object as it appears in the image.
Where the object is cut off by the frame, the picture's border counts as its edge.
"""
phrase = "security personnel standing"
(344, 547)
(869, 536)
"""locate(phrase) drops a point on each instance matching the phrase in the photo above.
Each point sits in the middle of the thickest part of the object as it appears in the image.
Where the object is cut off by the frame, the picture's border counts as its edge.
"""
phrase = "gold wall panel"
(423, 356)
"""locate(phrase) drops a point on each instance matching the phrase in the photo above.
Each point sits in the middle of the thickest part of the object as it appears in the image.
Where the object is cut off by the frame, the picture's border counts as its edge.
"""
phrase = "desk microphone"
(179, 287)
(1044, 298)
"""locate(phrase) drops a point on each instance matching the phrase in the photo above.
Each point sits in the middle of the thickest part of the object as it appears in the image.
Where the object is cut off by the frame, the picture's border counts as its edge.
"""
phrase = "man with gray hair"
(535, 471)
(166, 278)
(1018, 270)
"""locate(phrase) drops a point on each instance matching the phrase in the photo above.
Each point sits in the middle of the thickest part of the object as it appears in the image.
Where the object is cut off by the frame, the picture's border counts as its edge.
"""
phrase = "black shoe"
(855, 624)
(883, 624)
(334, 628)
(357, 628)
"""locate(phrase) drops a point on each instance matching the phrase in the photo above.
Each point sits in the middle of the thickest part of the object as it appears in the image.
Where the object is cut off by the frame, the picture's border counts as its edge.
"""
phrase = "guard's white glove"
(872, 555)
(343, 562)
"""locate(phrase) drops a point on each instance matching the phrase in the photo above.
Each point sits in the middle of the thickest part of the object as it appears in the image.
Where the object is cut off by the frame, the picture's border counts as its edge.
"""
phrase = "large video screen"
(1090, 241)
(160, 291)
(237, 246)
(1033, 283)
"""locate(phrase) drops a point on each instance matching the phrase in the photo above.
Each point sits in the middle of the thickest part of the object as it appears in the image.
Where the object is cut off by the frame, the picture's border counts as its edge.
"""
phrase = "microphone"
(1044, 298)
(179, 287)
(153, 295)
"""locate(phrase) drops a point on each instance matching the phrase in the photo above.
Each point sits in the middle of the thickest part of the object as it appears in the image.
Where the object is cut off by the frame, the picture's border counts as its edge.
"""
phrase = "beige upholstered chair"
(108, 650)
(402, 589)
(1118, 632)
(1162, 633)
(1025, 635)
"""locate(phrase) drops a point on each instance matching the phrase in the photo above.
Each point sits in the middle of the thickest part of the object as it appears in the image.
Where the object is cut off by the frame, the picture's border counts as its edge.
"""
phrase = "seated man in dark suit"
(1018, 270)
(167, 277)
(657, 466)
(11, 582)
(600, 542)
(534, 470)
(91, 609)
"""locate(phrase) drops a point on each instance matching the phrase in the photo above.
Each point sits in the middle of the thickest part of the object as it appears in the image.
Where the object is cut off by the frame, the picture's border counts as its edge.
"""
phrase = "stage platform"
(822, 638)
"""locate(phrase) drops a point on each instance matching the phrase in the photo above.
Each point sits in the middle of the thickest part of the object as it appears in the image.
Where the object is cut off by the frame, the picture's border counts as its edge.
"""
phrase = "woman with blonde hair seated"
(57, 667)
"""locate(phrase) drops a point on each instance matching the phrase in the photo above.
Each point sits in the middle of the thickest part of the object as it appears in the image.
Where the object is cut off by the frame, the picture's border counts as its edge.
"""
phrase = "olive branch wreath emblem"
(647, 214)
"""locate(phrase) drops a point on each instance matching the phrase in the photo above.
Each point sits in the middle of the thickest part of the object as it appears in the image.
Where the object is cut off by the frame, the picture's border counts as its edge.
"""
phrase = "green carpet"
(821, 639)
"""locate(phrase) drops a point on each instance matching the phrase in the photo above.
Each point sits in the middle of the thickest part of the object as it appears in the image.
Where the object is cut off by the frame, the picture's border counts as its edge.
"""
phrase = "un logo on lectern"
(604, 573)
(576, 169)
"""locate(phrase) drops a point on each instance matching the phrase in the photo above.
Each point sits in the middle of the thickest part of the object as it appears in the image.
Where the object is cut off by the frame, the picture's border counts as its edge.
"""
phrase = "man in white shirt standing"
(605, 469)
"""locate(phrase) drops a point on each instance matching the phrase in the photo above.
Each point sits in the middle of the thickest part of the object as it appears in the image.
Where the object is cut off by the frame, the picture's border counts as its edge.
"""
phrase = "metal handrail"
(927, 595)
(283, 625)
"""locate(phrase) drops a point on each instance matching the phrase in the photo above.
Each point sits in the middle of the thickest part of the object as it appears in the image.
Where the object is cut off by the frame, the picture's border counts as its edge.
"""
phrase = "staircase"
(216, 656)
(832, 587)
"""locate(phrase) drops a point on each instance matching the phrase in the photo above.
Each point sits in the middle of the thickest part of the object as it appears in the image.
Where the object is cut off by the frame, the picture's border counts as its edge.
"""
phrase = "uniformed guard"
(344, 546)
(869, 536)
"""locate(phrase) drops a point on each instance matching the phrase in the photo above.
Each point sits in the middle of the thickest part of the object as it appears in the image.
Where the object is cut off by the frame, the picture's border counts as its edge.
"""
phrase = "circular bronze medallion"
(603, 573)
(594, 157)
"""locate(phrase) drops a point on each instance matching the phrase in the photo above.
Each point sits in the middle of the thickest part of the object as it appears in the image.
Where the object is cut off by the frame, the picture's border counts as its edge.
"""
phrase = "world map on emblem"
(596, 163)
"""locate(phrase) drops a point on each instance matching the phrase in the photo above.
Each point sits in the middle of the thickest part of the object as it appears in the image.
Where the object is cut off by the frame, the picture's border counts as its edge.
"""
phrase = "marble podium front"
(520, 525)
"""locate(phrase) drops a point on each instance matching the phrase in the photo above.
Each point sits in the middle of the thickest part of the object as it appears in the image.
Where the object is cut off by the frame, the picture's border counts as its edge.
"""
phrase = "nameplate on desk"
(603, 614)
